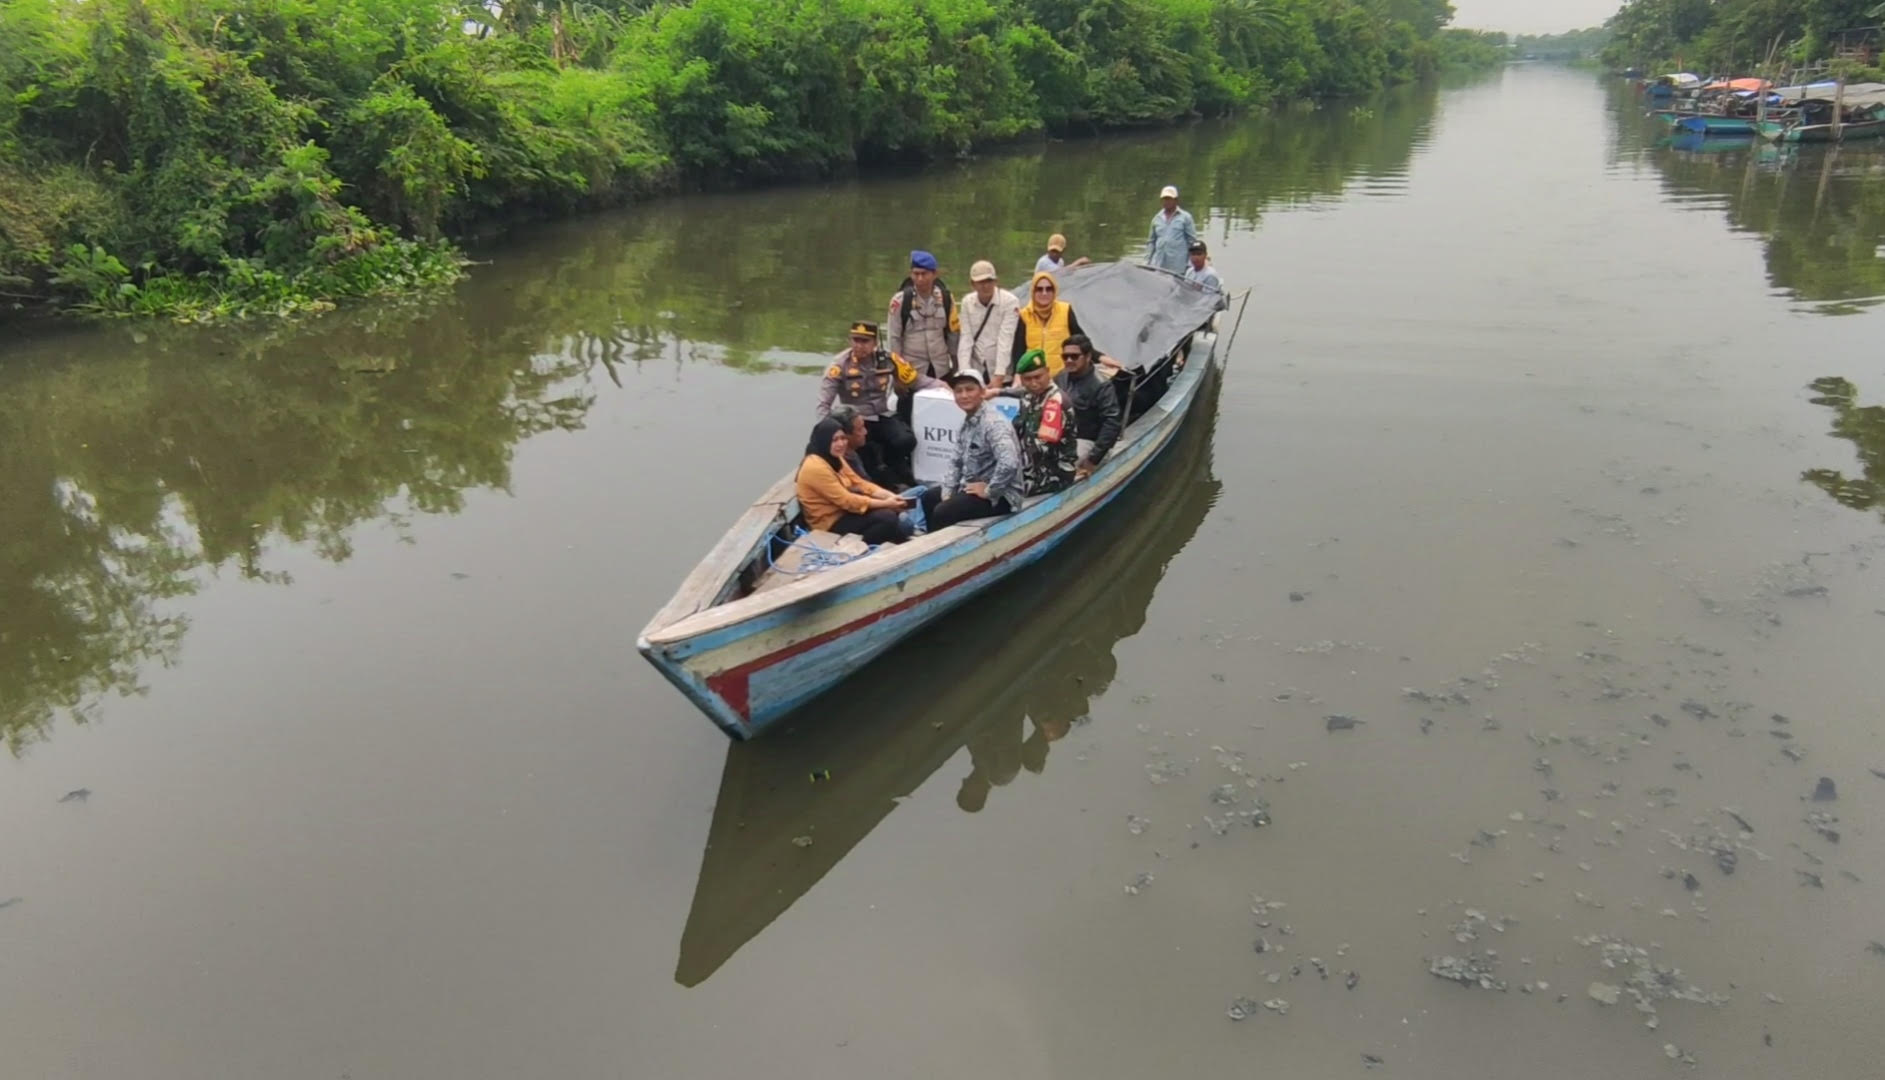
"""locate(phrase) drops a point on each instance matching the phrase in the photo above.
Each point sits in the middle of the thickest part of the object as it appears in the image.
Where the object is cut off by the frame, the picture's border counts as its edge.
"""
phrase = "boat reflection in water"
(1051, 639)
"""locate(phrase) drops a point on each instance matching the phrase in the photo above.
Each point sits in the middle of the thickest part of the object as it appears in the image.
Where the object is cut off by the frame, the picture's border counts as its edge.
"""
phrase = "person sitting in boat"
(1046, 321)
(984, 476)
(1096, 409)
(1055, 260)
(834, 498)
(1045, 428)
(862, 377)
(1201, 272)
(847, 417)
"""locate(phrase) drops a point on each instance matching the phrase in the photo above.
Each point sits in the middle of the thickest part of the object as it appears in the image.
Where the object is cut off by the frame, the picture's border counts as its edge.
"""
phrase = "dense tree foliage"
(1730, 35)
(179, 157)
(1570, 45)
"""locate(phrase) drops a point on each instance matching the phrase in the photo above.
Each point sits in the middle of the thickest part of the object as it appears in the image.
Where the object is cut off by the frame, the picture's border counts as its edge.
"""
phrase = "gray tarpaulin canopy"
(1135, 314)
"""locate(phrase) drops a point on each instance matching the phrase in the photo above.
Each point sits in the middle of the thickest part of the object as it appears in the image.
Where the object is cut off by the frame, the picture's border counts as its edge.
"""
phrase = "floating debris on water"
(1139, 883)
(76, 795)
(1605, 993)
(1242, 1008)
(1739, 820)
(802, 841)
(1870, 946)
(1475, 970)
(1160, 771)
(1351, 979)
(1372, 1061)
(1277, 1006)
(1676, 1053)
(11, 900)
(1137, 825)
(1224, 794)
(1341, 722)
(1822, 822)
(1825, 790)
(1808, 877)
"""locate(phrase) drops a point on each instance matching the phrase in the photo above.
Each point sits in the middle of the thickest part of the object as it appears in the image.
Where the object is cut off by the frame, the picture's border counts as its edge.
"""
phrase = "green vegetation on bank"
(191, 159)
(1719, 36)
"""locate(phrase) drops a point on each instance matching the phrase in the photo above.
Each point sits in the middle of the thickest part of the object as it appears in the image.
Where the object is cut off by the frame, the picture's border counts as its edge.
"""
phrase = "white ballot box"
(935, 420)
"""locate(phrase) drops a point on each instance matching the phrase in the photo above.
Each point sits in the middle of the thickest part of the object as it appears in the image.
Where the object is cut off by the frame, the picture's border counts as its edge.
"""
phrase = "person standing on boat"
(834, 498)
(1044, 427)
(1096, 410)
(990, 314)
(1046, 321)
(1169, 243)
(1201, 271)
(923, 324)
(984, 477)
(862, 377)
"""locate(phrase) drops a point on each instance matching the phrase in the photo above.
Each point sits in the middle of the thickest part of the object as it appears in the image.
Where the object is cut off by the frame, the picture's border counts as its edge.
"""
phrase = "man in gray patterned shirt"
(984, 479)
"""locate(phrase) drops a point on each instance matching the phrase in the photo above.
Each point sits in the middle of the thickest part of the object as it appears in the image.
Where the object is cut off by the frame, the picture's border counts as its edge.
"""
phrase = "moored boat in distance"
(748, 643)
(1715, 125)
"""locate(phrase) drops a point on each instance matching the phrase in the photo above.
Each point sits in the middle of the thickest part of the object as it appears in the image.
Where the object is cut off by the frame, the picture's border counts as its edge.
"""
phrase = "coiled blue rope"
(816, 559)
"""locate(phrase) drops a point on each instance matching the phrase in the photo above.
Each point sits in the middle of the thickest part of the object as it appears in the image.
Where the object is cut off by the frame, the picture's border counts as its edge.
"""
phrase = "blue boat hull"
(1716, 125)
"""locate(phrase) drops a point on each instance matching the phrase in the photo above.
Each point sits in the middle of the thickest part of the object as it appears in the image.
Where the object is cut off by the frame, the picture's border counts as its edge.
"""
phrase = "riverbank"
(276, 156)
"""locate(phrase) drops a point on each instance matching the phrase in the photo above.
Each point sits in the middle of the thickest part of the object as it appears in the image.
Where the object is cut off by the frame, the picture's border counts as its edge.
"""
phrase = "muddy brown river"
(1549, 462)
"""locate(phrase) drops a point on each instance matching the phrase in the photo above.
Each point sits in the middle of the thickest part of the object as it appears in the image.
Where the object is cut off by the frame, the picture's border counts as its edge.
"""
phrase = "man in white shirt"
(989, 317)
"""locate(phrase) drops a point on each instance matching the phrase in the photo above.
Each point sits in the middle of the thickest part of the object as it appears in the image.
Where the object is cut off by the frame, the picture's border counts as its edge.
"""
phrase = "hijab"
(819, 446)
(1036, 304)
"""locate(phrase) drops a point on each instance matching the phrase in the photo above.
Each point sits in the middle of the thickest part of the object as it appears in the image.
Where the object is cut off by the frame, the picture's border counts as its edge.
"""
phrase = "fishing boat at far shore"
(1788, 132)
(747, 641)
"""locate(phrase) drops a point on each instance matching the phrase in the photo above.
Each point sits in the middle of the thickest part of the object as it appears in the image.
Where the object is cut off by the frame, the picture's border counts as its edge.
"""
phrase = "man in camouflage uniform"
(1045, 428)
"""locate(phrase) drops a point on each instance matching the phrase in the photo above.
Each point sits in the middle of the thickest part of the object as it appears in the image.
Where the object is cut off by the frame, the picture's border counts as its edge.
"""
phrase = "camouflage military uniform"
(1048, 448)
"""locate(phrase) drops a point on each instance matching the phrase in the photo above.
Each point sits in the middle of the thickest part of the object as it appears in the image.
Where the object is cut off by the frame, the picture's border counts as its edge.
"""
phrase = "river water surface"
(1551, 455)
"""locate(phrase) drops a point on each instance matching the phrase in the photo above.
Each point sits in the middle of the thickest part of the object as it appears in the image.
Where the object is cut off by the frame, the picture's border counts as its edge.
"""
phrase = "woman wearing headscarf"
(1047, 321)
(834, 498)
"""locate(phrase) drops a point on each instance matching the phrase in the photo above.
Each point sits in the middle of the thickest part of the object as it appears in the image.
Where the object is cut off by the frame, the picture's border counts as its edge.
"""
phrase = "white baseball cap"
(968, 373)
(983, 270)
(1170, 192)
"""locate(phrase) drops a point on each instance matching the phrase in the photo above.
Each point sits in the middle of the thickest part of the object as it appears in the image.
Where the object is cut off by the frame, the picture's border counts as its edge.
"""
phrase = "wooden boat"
(747, 647)
(1050, 666)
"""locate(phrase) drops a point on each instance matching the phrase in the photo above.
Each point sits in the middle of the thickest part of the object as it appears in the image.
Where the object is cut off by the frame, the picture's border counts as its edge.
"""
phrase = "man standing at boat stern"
(1168, 246)
(991, 314)
(923, 326)
(984, 477)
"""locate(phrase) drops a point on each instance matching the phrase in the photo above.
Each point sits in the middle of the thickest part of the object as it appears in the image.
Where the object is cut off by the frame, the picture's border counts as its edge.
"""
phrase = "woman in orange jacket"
(834, 498)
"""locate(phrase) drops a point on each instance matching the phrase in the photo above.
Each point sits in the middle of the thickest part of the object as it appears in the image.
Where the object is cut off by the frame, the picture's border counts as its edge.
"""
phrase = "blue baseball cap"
(922, 260)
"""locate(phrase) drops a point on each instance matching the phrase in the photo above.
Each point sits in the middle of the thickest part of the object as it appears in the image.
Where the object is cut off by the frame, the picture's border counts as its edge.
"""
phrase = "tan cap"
(1170, 192)
(983, 270)
(1056, 242)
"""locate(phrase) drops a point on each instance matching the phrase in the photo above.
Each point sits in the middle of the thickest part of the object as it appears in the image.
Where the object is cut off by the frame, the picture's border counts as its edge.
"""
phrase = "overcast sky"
(1533, 16)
